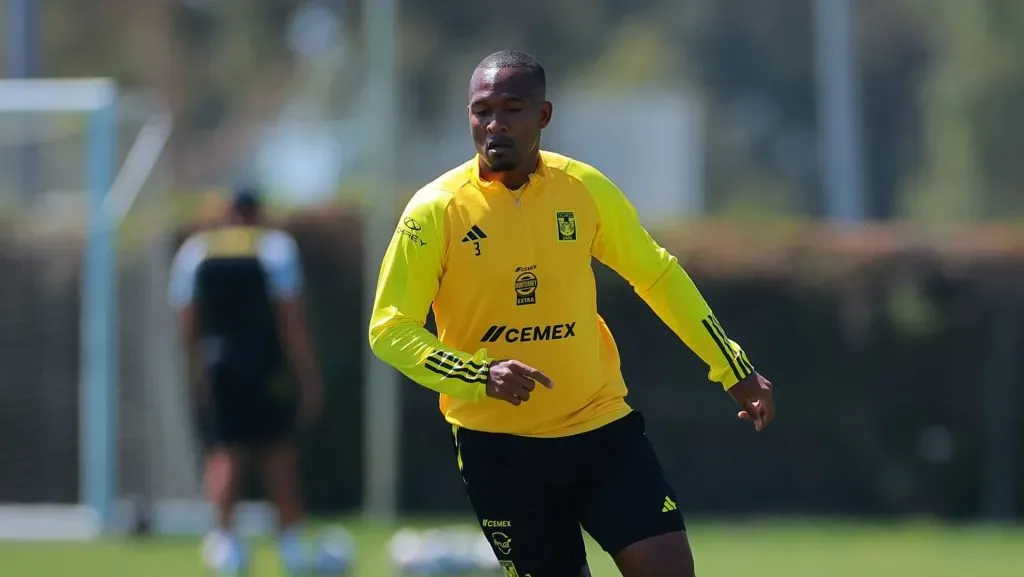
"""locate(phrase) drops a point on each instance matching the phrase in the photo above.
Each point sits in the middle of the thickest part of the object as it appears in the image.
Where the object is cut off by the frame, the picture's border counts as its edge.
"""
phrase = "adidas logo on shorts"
(669, 505)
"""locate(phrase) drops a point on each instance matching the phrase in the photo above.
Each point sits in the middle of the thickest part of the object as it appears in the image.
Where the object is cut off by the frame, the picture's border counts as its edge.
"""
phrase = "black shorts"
(252, 411)
(533, 495)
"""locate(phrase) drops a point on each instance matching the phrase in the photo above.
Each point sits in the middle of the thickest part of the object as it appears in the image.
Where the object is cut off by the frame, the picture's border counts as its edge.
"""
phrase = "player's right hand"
(754, 396)
(512, 381)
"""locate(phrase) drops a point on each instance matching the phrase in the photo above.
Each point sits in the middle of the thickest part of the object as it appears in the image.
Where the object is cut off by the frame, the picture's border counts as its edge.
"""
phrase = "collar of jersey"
(536, 176)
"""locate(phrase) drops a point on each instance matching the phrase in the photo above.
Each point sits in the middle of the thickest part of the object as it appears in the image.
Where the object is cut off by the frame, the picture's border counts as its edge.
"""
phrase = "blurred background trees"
(942, 82)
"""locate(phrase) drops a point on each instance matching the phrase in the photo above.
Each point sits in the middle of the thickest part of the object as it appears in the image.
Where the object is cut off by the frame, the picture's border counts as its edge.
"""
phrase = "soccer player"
(238, 292)
(501, 248)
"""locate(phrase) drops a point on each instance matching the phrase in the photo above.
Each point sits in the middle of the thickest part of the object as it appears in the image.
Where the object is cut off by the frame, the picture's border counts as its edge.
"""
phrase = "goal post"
(94, 411)
(85, 246)
(97, 99)
(98, 388)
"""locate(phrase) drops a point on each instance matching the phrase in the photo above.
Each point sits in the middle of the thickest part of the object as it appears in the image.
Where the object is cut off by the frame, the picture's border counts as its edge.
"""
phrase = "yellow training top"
(509, 276)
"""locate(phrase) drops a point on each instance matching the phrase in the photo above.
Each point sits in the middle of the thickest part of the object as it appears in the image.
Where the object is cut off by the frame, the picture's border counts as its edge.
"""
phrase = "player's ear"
(545, 114)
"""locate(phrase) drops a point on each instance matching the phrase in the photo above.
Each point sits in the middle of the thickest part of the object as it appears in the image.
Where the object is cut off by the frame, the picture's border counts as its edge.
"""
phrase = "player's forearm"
(677, 301)
(298, 345)
(302, 357)
(419, 355)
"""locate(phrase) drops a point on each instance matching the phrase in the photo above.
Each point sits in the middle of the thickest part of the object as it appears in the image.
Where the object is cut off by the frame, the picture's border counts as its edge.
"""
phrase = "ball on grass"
(335, 552)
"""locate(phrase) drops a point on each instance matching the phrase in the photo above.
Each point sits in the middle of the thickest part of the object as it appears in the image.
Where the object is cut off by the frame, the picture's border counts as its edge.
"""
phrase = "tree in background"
(941, 82)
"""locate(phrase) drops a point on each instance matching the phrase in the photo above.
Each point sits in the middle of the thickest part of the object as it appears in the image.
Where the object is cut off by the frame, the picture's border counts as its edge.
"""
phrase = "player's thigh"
(231, 423)
(665, 555)
(528, 520)
(272, 422)
(627, 498)
(222, 425)
(251, 413)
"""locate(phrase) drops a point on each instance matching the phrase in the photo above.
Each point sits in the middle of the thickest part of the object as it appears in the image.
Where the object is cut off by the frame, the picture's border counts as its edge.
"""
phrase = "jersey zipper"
(524, 222)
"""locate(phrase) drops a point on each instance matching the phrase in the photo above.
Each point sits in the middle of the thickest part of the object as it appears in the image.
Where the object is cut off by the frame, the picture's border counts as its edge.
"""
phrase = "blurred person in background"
(501, 248)
(237, 288)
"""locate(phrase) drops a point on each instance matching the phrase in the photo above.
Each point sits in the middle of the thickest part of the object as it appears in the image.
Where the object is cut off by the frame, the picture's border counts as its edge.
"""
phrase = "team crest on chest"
(566, 225)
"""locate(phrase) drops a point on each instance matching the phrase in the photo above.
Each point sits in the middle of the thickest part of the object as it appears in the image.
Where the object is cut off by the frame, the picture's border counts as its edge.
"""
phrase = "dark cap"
(245, 198)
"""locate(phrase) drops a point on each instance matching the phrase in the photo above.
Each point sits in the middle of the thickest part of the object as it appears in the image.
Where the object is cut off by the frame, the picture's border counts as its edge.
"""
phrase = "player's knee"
(280, 467)
(222, 471)
(282, 457)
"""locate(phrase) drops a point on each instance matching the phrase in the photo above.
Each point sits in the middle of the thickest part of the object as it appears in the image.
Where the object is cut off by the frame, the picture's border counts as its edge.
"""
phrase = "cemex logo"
(530, 333)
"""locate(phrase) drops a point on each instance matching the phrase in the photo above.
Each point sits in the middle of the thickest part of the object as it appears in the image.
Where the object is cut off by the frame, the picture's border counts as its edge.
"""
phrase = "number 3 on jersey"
(475, 235)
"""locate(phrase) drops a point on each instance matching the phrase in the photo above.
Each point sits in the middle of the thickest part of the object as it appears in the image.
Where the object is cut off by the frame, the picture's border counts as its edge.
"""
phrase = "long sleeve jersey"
(509, 276)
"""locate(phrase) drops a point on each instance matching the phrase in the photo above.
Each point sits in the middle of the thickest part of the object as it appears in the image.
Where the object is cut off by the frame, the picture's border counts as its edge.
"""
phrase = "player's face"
(507, 113)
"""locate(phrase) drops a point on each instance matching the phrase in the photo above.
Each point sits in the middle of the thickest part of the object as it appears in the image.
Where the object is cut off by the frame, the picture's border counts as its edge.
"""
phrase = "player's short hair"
(246, 200)
(516, 59)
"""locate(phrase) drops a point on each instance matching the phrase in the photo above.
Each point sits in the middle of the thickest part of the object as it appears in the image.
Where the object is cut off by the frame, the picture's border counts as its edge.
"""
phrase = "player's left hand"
(754, 396)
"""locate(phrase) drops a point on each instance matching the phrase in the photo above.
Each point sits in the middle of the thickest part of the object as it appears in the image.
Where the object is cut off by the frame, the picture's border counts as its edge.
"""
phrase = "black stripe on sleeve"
(746, 362)
(450, 366)
(722, 346)
(448, 375)
(743, 362)
(451, 361)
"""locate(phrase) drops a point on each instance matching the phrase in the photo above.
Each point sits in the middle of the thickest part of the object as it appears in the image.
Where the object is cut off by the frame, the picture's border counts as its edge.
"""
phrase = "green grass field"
(761, 549)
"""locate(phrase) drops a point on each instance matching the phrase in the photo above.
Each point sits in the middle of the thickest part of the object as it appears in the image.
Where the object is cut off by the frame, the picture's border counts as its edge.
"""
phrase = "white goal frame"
(108, 201)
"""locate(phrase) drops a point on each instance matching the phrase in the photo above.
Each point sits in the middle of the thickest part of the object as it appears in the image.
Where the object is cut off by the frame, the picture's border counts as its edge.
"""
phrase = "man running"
(501, 248)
